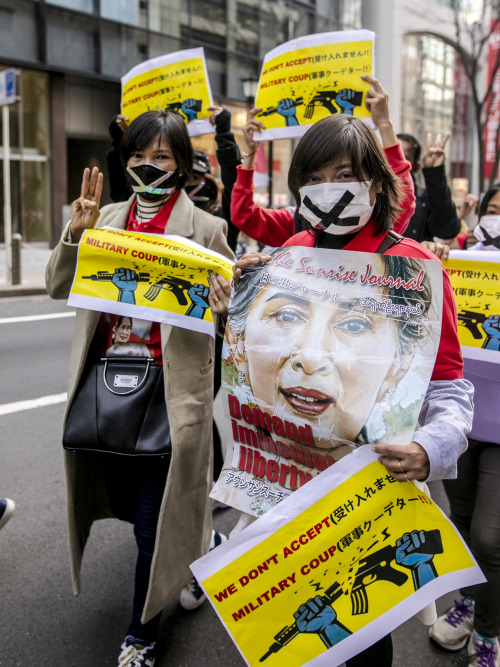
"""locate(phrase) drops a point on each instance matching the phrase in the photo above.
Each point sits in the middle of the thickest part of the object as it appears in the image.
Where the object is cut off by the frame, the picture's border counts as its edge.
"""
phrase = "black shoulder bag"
(119, 408)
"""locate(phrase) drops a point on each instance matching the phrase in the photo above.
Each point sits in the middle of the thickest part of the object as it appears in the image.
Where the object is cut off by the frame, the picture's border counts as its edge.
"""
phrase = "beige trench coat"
(185, 522)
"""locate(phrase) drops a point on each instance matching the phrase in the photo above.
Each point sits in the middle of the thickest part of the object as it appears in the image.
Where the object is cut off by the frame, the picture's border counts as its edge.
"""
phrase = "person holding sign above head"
(172, 521)
(337, 159)
(274, 227)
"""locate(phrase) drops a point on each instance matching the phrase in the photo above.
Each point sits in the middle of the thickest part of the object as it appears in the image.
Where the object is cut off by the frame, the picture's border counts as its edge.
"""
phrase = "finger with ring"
(216, 300)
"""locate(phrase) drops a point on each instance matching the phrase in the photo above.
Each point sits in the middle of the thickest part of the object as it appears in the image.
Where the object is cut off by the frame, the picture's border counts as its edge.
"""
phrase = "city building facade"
(70, 55)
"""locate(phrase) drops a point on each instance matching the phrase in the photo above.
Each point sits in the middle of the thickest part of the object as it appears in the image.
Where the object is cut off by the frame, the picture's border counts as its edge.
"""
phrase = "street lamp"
(250, 85)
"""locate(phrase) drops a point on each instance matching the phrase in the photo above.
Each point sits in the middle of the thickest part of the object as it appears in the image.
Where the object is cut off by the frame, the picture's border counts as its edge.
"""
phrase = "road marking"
(42, 402)
(36, 318)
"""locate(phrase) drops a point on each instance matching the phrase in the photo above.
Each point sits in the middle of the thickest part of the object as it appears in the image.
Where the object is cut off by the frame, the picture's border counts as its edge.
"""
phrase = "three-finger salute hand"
(85, 209)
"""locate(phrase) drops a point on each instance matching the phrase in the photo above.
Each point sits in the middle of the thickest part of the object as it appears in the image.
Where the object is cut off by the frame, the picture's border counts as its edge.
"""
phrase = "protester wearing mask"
(474, 618)
(172, 522)
(337, 162)
(274, 227)
(201, 186)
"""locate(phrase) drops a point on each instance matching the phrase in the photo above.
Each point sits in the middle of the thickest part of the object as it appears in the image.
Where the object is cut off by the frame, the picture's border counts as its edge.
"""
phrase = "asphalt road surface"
(42, 623)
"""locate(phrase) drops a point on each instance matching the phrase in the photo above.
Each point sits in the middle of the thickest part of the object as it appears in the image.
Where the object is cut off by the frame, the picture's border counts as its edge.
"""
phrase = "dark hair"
(495, 188)
(153, 125)
(410, 329)
(117, 326)
(332, 138)
(415, 144)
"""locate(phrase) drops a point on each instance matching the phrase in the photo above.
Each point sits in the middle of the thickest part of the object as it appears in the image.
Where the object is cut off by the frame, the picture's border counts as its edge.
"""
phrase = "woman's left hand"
(220, 292)
(404, 462)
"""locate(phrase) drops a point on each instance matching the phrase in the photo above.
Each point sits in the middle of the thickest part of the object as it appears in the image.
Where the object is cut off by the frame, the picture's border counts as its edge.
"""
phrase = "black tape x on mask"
(336, 208)
(151, 182)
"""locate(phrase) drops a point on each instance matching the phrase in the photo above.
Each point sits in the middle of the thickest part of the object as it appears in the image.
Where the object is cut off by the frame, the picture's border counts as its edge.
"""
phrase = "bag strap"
(148, 362)
(391, 238)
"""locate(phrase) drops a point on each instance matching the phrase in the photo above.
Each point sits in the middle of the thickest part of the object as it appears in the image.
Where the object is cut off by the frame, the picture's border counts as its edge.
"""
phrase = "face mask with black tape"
(152, 183)
(488, 232)
(336, 208)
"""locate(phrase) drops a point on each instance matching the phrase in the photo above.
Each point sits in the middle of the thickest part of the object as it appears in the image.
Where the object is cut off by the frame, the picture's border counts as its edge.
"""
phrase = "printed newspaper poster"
(147, 276)
(177, 81)
(312, 77)
(335, 567)
(324, 351)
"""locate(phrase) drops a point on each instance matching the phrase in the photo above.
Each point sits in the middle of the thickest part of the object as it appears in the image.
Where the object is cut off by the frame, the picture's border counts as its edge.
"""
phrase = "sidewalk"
(34, 258)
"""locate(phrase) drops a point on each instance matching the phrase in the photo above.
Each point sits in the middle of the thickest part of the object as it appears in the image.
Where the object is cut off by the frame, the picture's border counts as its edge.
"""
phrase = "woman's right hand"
(248, 260)
(253, 125)
(85, 209)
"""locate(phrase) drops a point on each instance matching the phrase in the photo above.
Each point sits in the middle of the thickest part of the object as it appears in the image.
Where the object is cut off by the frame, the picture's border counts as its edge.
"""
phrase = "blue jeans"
(135, 487)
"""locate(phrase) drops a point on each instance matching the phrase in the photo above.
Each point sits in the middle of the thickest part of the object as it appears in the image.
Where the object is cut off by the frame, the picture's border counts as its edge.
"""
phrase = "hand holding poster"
(335, 567)
(156, 278)
(177, 81)
(324, 350)
(312, 77)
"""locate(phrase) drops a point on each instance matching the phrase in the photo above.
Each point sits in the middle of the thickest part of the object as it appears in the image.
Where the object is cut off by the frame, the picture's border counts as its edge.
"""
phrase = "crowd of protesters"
(166, 500)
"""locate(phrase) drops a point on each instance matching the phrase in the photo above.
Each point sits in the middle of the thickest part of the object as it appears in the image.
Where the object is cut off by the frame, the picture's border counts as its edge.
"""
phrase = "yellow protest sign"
(475, 278)
(157, 278)
(312, 77)
(336, 567)
(177, 81)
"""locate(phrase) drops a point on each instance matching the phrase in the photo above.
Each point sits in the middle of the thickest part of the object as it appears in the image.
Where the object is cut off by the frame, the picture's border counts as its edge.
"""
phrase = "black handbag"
(119, 408)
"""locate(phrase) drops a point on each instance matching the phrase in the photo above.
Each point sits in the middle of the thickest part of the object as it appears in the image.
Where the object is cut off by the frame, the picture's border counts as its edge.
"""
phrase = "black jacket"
(435, 213)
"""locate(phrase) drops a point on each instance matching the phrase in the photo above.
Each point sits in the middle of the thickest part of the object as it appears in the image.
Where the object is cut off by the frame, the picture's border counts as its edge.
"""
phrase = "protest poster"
(147, 276)
(335, 567)
(312, 77)
(475, 278)
(324, 350)
(177, 81)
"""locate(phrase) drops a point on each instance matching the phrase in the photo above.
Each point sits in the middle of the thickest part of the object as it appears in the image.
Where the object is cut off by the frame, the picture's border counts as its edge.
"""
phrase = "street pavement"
(41, 622)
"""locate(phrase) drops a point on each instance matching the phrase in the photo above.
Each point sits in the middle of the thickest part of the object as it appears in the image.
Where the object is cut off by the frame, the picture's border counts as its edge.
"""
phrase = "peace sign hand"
(435, 155)
(85, 209)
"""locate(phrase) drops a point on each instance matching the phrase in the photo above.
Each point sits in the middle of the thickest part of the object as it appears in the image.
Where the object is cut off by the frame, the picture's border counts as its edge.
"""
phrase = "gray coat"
(184, 526)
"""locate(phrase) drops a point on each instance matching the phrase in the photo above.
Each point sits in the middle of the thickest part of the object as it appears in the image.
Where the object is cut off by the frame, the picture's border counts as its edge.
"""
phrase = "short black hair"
(153, 125)
(486, 199)
(332, 138)
(415, 144)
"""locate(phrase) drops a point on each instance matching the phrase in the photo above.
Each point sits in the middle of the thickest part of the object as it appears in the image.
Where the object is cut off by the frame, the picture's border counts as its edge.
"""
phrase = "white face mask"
(488, 232)
(336, 208)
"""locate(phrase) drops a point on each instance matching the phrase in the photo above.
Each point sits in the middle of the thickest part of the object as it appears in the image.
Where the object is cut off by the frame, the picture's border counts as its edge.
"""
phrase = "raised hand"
(435, 155)
(252, 125)
(85, 209)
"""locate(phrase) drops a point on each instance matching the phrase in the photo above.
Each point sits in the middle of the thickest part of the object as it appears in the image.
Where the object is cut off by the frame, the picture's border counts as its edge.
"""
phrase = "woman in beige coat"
(167, 501)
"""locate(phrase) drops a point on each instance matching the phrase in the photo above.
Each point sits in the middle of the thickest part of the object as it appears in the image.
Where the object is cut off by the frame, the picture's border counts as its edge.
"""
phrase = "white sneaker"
(483, 652)
(452, 630)
(192, 595)
(136, 653)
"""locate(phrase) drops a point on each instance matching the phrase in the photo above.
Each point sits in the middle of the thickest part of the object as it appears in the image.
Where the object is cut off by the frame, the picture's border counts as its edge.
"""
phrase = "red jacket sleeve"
(402, 168)
(449, 362)
(262, 224)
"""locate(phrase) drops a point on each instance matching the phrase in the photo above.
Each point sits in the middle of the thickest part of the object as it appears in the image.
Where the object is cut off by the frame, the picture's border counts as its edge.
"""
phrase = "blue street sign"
(7, 86)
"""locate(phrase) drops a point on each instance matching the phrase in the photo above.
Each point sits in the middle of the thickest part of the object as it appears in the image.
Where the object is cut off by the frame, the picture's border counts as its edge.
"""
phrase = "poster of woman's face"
(320, 337)
(324, 351)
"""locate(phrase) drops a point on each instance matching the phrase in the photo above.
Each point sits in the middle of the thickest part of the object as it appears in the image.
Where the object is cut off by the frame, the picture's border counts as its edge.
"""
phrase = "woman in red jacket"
(346, 190)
